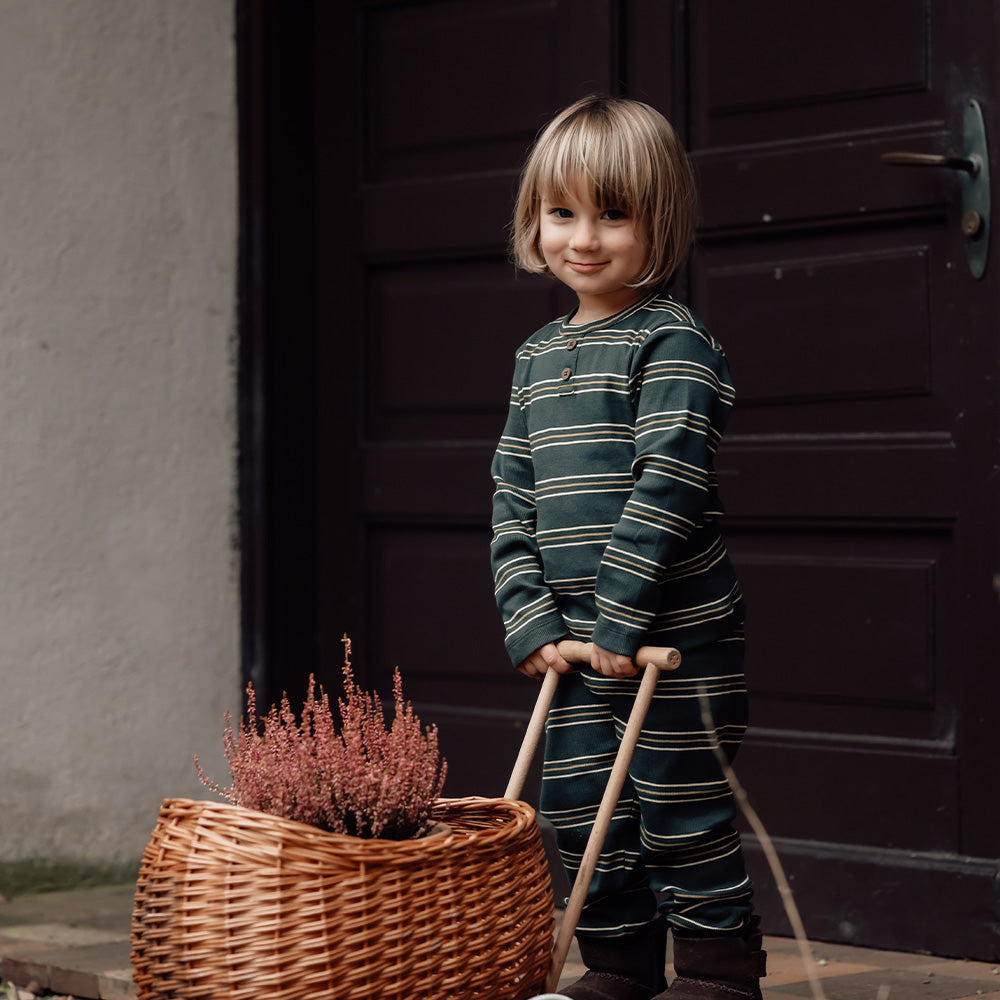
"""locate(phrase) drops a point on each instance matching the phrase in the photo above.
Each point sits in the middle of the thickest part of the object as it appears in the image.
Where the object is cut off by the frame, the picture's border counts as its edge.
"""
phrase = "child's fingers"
(554, 659)
(542, 660)
(612, 664)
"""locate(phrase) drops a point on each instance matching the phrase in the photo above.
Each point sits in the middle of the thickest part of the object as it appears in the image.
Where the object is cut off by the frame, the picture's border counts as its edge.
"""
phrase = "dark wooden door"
(860, 470)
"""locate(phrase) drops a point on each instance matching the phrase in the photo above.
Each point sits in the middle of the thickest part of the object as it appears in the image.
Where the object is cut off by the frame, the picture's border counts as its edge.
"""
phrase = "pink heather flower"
(368, 780)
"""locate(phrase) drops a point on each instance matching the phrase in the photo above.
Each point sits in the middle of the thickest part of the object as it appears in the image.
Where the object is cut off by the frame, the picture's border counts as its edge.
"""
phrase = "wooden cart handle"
(532, 735)
(664, 657)
(595, 843)
(652, 659)
(573, 651)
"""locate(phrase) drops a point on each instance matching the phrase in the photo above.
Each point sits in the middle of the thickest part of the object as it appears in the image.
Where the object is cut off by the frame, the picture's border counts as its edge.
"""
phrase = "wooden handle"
(609, 802)
(663, 657)
(532, 735)
(573, 651)
(652, 659)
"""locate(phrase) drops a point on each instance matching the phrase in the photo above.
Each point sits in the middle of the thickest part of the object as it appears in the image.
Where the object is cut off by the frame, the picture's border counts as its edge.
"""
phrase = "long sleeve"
(682, 398)
(526, 604)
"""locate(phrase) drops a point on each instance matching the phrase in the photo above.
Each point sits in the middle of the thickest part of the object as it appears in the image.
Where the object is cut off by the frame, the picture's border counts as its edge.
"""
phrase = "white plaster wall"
(118, 575)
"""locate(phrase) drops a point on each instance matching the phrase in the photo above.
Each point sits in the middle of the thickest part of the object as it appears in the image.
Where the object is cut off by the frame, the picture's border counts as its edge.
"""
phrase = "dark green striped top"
(606, 510)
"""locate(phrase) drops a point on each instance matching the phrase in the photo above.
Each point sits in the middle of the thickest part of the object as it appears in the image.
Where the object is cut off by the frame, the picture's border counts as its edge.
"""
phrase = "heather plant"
(369, 779)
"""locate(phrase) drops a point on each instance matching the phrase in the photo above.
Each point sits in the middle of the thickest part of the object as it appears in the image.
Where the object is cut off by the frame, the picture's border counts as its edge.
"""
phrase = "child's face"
(595, 251)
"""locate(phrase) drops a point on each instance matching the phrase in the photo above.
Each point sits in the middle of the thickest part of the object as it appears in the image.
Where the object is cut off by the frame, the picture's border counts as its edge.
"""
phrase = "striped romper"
(606, 528)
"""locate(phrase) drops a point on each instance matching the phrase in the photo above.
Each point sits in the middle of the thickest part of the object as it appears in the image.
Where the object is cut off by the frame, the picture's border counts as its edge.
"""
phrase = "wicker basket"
(233, 903)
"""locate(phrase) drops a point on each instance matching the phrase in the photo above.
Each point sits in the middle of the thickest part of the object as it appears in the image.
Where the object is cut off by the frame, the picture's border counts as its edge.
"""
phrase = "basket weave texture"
(233, 903)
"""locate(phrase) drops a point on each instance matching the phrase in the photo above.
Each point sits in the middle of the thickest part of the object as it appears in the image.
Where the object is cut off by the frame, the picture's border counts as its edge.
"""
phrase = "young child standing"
(606, 528)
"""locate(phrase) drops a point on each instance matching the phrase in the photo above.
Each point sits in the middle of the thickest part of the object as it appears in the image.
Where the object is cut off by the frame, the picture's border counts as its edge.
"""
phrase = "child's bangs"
(593, 163)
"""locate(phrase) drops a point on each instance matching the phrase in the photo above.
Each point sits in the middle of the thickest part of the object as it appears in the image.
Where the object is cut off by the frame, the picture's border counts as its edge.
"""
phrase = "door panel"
(455, 88)
(766, 72)
(881, 296)
(884, 607)
(752, 63)
(404, 389)
(779, 184)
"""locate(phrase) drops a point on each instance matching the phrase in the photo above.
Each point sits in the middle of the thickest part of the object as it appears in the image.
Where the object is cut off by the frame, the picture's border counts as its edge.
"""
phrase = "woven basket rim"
(447, 810)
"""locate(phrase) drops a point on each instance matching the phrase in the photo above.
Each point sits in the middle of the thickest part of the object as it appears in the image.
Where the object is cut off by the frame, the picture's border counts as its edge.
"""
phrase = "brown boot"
(717, 968)
(622, 968)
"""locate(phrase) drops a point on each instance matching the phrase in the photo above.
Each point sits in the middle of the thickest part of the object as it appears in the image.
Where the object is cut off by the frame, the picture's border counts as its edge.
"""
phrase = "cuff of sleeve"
(548, 629)
(616, 639)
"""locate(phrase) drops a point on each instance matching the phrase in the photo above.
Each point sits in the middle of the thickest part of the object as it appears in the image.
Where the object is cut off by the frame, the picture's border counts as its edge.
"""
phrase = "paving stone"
(94, 972)
(23, 970)
(116, 984)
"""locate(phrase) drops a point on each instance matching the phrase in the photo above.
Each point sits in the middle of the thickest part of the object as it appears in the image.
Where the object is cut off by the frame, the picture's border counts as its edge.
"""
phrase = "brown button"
(566, 373)
(572, 344)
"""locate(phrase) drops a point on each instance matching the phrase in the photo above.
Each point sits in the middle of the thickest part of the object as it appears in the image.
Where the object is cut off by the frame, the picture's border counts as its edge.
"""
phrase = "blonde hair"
(627, 156)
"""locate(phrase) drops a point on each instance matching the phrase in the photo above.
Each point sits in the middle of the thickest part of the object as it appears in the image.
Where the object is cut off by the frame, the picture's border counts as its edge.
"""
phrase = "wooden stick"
(609, 802)
(653, 660)
(532, 735)
(767, 845)
(664, 657)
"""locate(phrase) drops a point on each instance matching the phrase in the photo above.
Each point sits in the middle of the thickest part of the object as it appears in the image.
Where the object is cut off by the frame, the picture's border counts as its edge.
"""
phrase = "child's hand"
(611, 664)
(542, 659)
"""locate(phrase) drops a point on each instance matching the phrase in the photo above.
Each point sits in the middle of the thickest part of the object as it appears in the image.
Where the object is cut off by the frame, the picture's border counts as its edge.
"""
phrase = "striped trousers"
(671, 844)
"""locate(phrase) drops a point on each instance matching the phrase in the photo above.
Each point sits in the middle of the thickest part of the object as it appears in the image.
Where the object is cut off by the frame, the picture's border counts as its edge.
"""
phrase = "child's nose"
(584, 235)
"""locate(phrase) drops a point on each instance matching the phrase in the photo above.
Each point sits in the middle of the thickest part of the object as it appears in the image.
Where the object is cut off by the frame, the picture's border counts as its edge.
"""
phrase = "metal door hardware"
(974, 166)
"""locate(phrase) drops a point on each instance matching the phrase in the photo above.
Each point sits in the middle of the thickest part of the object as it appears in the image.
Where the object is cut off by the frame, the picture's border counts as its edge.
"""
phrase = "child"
(606, 528)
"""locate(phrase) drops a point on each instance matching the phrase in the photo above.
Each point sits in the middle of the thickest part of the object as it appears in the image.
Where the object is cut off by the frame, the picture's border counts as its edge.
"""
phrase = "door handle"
(974, 165)
(970, 164)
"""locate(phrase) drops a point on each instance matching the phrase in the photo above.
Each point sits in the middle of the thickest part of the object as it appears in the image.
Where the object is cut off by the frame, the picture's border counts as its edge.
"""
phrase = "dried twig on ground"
(774, 862)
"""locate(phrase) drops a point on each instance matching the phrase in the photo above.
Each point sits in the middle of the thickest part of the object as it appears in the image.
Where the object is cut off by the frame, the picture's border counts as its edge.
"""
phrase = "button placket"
(566, 375)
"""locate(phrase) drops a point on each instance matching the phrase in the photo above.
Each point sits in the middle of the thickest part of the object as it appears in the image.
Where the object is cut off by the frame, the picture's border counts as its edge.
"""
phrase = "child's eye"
(561, 213)
(614, 214)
